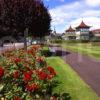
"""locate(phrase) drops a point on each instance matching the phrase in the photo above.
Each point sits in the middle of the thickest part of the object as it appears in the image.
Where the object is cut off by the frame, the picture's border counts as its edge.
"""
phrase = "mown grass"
(88, 49)
(70, 82)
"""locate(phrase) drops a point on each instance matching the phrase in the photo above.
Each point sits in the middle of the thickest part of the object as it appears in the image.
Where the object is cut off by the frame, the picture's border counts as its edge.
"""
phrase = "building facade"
(81, 32)
(70, 34)
(95, 34)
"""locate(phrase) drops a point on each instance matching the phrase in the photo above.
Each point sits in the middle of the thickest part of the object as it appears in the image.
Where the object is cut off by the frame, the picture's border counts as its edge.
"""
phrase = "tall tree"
(20, 15)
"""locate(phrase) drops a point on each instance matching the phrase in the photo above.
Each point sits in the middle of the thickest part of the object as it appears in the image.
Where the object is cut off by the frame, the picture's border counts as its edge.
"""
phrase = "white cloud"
(94, 22)
(93, 3)
(72, 14)
(90, 13)
(62, 13)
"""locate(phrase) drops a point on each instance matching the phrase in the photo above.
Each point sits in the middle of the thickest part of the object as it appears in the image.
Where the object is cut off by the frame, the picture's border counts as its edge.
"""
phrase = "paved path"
(87, 68)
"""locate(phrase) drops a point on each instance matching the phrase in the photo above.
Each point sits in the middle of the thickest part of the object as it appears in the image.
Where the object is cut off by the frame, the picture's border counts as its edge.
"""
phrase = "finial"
(82, 19)
(54, 28)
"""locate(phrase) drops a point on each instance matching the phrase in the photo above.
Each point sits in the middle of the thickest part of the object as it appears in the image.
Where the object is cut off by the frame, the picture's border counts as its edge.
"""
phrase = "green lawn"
(70, 82)
(88, 49)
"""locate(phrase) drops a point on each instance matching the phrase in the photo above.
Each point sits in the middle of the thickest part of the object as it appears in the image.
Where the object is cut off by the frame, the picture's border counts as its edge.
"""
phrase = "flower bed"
(25, 75)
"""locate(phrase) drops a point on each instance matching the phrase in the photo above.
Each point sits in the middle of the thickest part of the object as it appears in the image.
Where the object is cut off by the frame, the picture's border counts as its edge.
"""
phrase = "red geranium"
(35, 47)
(17, 60)
(30, 51)
(32, 87)
(39, 59)
(16, 98)
(49, 77)
(30, 72)
(27, 76)
(42, 75)
(1, 72)
(16, 74)
(51, 70)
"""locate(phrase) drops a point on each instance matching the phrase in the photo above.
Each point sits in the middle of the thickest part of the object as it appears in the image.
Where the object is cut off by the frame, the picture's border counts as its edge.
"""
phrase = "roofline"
(80, 25)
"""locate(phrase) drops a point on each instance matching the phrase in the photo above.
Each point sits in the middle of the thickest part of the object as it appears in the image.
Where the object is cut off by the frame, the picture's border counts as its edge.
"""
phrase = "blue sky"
(71, 12)
(55, 3)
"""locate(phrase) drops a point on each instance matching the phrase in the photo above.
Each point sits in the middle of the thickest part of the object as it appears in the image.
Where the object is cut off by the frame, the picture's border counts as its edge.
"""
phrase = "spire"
(54, 30)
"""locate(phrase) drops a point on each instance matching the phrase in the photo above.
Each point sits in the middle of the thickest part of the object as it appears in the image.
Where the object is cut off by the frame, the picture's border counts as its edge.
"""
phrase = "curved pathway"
(87, 68)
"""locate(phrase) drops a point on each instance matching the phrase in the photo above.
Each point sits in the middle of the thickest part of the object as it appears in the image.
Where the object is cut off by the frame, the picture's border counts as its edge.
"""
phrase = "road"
(10, 46)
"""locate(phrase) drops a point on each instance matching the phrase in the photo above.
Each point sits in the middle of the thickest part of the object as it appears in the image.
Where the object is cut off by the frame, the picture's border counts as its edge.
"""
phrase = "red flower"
(39, 59)
(17, 60)
(35, 47)
(49, 77)
(42, 75)
(32, 87)
(16, 98)
(1, 72)
(27, 76)
(16, 74)
(30, 51)
(30, 72)
(51, 70)
(54, 98)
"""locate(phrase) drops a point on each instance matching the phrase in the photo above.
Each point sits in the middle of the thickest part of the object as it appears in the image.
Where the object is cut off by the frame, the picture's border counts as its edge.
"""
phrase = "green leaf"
(1, 87)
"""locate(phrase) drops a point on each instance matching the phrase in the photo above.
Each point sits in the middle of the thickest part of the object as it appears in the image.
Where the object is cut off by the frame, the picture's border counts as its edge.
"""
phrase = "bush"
(25, 75)
(77, 41)
(57, 41)
(46, 52)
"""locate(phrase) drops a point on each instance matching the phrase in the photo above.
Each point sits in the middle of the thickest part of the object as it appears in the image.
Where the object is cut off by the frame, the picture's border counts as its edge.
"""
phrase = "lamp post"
(25, 40)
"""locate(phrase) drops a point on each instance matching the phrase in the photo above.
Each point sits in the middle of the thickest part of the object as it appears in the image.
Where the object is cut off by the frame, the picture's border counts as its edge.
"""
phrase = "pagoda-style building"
(70, 34)
(82, 31)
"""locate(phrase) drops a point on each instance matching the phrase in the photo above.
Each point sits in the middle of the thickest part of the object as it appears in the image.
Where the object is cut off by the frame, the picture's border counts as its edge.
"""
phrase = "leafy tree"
(16, 16)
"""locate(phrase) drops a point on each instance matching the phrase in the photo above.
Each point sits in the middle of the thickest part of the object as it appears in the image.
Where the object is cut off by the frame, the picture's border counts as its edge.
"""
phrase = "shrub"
(25, 75)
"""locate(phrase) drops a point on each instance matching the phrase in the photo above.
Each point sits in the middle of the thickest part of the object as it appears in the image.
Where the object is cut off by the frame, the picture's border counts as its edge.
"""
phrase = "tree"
(20, 15)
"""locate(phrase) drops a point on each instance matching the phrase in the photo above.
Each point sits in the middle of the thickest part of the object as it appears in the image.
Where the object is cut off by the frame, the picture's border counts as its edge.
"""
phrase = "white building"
(81, 32)
(70, 34)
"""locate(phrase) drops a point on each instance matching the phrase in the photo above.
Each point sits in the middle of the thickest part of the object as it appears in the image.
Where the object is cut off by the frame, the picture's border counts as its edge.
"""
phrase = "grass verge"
(70, 82)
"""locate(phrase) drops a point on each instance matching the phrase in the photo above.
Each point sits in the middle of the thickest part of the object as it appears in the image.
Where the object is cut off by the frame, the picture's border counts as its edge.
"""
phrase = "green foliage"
(25, 75)
(17, 15)
(46, 52)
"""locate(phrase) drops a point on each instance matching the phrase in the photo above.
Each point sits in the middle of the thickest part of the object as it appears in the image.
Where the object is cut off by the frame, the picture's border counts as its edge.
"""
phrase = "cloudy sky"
(71, 12)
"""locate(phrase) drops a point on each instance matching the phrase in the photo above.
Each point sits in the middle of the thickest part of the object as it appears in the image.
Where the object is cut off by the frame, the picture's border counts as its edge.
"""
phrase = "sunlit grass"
(70, 82)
